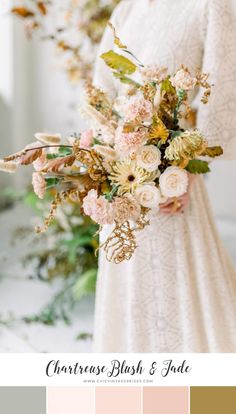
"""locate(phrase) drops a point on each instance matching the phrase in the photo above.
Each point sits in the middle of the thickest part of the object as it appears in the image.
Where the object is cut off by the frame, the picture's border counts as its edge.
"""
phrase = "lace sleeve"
(217, 120)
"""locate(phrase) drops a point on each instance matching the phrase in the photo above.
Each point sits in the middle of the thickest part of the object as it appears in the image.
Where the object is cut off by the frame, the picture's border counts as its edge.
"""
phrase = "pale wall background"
(35, 95)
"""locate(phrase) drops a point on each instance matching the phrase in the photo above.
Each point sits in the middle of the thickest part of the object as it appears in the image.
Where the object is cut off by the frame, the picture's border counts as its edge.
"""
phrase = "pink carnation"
(138, 109)
(129, 142)
(86, 139)
(98, 208)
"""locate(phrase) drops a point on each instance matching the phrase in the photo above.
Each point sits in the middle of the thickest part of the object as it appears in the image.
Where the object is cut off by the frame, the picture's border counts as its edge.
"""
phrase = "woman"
(178, 292)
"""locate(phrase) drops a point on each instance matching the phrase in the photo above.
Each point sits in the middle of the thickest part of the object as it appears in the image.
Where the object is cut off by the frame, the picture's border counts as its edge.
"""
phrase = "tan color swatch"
(166, 400)
(118, 400)
(213, 400)
(71, 400)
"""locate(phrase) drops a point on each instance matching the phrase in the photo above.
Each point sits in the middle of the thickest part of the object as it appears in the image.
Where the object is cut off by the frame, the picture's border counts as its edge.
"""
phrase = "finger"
(167, 203)
(166, 211)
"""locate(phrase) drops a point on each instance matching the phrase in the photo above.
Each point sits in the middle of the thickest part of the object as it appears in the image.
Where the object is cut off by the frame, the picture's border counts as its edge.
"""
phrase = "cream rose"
(183, 80)
(148, 195)
(173, 182)
(149, 158)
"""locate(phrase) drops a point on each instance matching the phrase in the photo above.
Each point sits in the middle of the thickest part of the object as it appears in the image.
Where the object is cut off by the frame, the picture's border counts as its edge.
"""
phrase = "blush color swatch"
(71, 400)
(23, 400)
(213, 400)
(165, 400)
(118, 400)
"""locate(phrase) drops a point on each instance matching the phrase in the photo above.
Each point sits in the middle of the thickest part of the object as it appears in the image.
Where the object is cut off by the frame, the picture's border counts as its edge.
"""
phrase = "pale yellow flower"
(127, 175)
(188, 145)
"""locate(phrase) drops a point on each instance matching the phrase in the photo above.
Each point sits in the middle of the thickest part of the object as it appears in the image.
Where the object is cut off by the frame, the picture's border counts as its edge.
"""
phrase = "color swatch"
(117, 400)
(61, 400)
(166, 400)
(22, 400)
(213, 400)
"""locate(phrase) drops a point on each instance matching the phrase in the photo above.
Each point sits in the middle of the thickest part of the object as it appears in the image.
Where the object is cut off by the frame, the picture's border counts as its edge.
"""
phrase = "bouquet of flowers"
(134, 157)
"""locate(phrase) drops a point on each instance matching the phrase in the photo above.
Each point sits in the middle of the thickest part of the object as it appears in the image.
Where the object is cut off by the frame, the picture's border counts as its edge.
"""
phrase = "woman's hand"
(178, 205)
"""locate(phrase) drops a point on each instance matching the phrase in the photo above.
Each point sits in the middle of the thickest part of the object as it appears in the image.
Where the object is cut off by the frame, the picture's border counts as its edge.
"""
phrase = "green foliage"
(85, 285)
(59, 308)
(70, 257)
(31, 200)
(63, 303)
(119, 63)
(198, 167)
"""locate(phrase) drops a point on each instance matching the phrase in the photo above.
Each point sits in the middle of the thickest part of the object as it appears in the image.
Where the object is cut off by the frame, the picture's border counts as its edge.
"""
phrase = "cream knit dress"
(178, 292)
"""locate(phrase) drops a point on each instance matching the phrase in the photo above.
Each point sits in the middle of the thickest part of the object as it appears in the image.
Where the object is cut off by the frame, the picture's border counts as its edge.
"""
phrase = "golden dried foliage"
(93, 162)
(158, 130)
(98, 99)
(121, 243)
(149, 91)
(202, 80)
(58, 200)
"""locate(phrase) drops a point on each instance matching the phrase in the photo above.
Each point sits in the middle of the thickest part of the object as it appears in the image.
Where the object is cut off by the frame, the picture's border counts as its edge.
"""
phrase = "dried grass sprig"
(58, 200)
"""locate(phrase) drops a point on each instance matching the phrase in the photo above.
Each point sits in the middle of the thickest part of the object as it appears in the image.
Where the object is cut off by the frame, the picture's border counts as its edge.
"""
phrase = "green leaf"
(119, 63)
(52, 156)
(181, 94)
(84, 336)
(175, 134)
(198, 167)
(125, 79)
(85, 285)
(64, 151)
(117, 40)
(167, 86)
(51, 182)
(109, 196)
